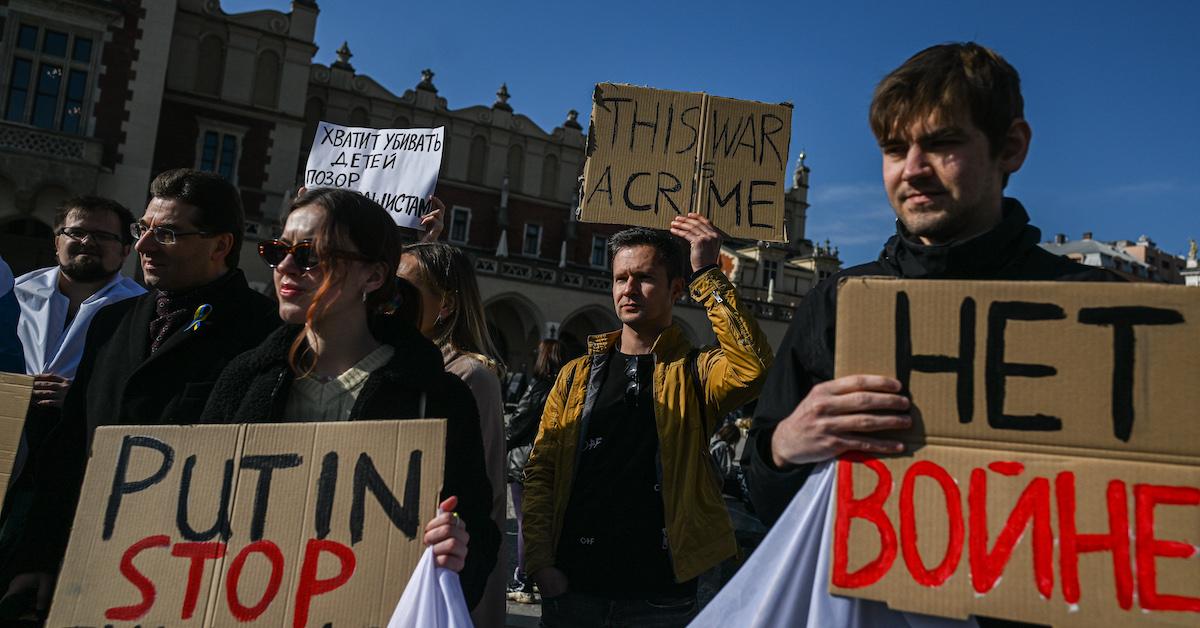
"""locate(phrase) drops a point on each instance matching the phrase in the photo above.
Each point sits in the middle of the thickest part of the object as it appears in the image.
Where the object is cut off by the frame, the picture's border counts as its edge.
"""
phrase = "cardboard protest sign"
(655, 154)
(1053, 473)
(15, 391)
(397, 168)
(279, 524)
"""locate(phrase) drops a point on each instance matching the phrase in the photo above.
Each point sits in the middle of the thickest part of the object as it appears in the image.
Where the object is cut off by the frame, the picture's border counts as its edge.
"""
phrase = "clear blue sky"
(1112, 89)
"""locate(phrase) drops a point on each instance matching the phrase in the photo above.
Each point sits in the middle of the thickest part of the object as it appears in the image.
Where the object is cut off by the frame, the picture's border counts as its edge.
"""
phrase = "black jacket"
(523, 427)
(254, 389)
(805, 358)
(120, 383)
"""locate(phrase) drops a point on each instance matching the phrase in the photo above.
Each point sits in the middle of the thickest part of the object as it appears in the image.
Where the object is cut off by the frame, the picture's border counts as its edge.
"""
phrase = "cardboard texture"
(308, 540)
(15, 391)
(655, 154)
(1069, 436)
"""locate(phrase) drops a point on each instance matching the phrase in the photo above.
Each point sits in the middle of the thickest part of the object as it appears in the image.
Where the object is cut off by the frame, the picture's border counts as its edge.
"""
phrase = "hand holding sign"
(703, 239)
(447, 534)
(831, 419)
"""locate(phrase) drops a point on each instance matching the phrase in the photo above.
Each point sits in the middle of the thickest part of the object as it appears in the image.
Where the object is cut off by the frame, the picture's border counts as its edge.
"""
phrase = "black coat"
(254, 389)
(1009, 251)
(523, 427)
(120, 383)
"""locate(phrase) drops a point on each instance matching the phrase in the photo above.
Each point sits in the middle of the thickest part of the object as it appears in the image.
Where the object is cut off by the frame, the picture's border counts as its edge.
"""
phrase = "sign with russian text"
(1052, 473)
(397, 168)
(15, 391)
(282, 524)
(655, 154)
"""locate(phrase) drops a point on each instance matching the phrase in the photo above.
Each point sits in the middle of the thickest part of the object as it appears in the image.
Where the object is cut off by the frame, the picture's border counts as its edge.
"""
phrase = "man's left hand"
(703, 237)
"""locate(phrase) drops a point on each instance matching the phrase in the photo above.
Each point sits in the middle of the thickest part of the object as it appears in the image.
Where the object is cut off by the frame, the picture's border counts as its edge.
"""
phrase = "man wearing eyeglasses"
(622, 509)
(91, 241)
(149, 360)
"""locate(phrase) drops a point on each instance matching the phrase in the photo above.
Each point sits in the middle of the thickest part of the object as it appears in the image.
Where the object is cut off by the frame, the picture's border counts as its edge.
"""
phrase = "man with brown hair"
(148, 360)
(951, 127)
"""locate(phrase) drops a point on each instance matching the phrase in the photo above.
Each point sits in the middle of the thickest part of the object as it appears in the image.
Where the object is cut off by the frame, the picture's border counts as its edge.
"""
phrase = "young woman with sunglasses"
(338, 358)
(452, 317)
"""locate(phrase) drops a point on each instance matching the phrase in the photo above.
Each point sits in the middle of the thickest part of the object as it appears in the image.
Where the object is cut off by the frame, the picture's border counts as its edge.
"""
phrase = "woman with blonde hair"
(340, 357)
(452, 317)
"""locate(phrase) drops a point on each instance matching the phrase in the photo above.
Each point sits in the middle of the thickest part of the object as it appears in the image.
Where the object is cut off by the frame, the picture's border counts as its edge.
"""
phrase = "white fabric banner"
(786, 580)
(397, 168)
(433, 598)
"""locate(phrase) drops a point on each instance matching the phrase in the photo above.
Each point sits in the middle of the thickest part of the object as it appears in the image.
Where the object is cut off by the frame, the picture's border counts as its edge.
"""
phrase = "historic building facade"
(175, 83)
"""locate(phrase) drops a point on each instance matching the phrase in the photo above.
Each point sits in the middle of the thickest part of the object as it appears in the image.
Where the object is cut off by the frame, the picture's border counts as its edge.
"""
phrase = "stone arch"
(550, 177)
(516, 167)
(401, 122)
(28, 240)
(477, 160)
(210, 69)
(584, 322)
(359, 117)
(515, 324)
(266, 79)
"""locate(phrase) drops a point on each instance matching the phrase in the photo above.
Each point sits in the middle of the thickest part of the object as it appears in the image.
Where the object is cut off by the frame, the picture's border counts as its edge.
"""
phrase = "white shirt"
(52, 346)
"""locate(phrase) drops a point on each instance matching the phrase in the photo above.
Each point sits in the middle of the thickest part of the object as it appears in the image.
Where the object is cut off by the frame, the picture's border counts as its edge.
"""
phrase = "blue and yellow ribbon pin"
(200, 316)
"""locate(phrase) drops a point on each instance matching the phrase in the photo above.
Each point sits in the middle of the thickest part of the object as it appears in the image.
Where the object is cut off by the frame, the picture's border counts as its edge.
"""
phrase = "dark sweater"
(1009, 251)
(254, 389)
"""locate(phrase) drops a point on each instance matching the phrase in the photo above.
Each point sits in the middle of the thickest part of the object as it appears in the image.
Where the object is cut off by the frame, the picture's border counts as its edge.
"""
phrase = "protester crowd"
(622, 464)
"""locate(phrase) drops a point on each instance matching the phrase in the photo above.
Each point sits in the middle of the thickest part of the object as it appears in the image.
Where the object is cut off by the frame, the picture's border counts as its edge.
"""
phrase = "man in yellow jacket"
(623, 509)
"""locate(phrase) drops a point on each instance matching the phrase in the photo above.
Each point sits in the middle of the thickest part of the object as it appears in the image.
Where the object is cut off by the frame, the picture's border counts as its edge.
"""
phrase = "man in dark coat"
(951, 128)
(147, 361)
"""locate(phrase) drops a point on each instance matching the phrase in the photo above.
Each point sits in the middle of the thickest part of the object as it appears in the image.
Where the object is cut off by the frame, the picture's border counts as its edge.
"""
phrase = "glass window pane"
(55, 43)
(27, 37)
(18, 90)
(45, 100)
(228, 156)
(72, 117)
(82, 51)
(208, 156)
(458, 226)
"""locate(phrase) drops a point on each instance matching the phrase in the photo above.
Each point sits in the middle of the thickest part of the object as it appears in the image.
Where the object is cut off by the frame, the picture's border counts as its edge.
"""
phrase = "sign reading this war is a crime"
(1052, 471)
(273, 524)
(655, 154)
(397, 168)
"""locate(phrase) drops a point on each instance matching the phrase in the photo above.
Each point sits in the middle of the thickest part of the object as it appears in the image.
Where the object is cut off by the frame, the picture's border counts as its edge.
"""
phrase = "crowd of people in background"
(623, 464)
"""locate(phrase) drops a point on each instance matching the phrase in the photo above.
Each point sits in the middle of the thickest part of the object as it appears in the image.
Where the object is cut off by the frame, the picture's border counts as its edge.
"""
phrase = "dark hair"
(549, 359)
(218, 201)
(406, 303)
(955, 79)
(730, 433)
(665, 246)
(93, 204)
(351, 220)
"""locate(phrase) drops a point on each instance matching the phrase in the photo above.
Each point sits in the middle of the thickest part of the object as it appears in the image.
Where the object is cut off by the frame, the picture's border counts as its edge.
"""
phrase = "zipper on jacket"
(739, 327)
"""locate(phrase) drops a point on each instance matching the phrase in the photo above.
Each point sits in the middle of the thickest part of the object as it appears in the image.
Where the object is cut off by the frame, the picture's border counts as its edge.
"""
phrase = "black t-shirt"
(614, 540)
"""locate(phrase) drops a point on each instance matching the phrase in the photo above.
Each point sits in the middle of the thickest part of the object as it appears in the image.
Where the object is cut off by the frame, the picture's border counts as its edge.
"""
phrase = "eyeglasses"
(162, 235)
(304, 254)
(79, 235)
(633, 388)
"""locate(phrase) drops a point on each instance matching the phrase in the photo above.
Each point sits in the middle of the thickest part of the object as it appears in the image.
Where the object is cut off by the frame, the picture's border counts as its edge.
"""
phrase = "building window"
(533, 240)
(599, 251)
(219, 148)
(210, 68)
(266, 80)
(360, 117)
(48, 82)
(516, 167)
(550, 177)
(477, 161)
(460, 225)
(769, 273)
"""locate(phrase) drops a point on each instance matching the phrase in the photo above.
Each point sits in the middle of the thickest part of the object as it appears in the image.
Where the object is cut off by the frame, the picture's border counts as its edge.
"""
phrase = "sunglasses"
(304, 254)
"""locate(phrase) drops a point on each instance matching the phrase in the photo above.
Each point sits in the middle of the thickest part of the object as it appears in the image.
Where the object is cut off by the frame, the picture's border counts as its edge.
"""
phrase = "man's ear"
(1016, 146)
(224, 247)
(678, 287)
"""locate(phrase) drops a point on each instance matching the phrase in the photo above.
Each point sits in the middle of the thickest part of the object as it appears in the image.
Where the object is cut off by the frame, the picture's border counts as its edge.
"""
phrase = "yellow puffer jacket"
(699, 532)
